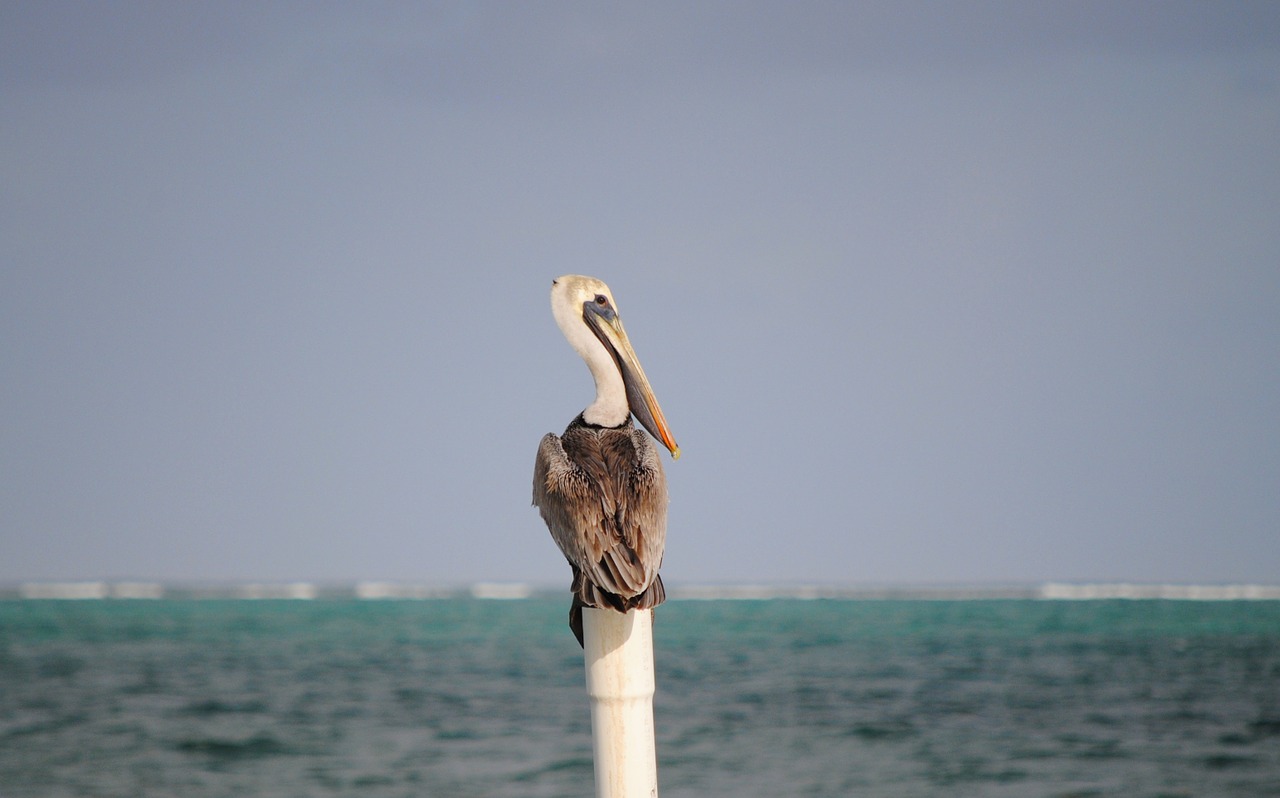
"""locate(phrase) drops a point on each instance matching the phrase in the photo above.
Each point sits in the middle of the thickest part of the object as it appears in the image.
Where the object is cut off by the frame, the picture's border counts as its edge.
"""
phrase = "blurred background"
(931, 293)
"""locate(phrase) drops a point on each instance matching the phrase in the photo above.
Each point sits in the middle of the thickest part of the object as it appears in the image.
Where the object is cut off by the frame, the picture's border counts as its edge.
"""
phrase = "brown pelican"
(600, 486)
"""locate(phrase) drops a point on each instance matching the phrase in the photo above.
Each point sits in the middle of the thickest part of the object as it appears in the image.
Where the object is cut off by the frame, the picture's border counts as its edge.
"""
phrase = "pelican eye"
(602, 300)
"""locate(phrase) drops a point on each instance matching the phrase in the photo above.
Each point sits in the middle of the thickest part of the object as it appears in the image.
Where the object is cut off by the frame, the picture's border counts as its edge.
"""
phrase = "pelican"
(600, 487)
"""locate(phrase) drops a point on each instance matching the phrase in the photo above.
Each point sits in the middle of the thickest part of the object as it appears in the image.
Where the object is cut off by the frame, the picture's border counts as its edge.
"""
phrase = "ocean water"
(465, 697)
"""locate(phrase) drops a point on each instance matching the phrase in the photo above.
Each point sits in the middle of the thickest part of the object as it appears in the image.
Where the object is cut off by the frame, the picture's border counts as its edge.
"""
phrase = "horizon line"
(514, 590)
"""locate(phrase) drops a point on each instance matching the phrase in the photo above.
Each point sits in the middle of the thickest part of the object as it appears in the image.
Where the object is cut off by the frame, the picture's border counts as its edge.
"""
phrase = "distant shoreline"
(390, 590)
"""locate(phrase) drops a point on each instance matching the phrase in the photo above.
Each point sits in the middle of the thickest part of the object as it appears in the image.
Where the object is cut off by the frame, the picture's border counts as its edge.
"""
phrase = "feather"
(603, 495)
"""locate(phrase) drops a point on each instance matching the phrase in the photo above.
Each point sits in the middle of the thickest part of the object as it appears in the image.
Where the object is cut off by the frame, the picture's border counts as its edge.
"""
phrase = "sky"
(930, 293)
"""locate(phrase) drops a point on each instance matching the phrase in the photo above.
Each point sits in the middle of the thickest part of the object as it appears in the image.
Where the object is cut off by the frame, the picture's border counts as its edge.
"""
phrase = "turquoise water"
(464, 697)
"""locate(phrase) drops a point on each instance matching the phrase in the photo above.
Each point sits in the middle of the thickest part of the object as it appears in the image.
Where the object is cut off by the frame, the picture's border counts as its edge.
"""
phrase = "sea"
(461, 696)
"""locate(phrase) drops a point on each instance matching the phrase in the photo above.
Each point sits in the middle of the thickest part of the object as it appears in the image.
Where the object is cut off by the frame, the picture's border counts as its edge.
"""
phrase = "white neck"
(610, 408)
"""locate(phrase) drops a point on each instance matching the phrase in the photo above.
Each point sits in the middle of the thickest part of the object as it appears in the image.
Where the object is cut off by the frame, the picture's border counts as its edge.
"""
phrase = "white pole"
(619, 656)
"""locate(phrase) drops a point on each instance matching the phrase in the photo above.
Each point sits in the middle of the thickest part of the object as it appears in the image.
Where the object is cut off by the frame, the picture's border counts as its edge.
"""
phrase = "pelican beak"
(607, 326)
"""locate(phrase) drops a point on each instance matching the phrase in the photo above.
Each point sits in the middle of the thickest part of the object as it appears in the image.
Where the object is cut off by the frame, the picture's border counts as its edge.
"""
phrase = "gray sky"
(971, 292)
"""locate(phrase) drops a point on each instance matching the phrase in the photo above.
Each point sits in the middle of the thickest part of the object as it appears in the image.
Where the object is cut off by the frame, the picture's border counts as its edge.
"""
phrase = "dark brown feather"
(603, 494)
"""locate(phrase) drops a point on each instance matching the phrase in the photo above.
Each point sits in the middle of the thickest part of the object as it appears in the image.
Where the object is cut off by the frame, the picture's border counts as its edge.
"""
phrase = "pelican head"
(586, 313)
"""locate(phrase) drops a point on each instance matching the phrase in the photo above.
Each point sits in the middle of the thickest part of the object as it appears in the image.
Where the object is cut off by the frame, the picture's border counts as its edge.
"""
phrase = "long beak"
(644, 405)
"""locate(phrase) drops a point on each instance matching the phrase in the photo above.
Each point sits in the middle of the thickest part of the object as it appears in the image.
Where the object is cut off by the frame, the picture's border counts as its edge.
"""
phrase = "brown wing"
(603, 495)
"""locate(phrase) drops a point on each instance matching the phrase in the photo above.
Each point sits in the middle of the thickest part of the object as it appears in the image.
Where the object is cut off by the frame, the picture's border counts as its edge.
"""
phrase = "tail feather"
(588, 595)
(652, 596)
